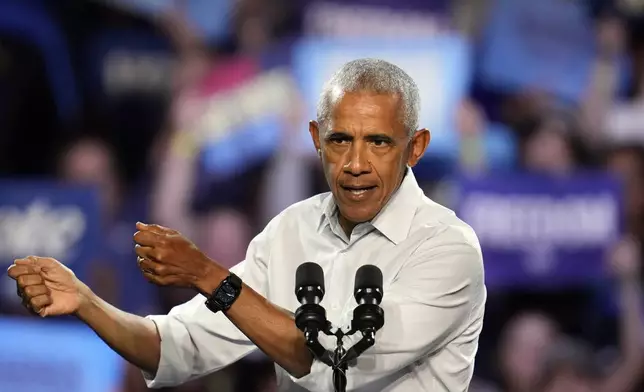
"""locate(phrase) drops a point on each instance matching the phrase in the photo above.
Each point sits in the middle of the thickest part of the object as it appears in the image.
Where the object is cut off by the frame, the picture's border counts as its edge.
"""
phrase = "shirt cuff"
(172, 368)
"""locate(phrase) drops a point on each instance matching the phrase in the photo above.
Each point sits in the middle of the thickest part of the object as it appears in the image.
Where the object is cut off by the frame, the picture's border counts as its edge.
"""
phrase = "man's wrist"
(211, 279)
(86, 300)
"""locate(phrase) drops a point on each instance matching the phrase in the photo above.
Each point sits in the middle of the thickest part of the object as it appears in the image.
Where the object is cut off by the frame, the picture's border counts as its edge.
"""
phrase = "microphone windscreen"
(368, 276)
(309, 274)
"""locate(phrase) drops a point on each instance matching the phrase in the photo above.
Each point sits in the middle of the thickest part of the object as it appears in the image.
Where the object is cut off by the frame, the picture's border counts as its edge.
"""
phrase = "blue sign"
(127, 61)
(440, 66)
(378, 18)
(210, 19)
(47, 219)
(542, 231)
(544, 45)
(241, 124)
(47, 356)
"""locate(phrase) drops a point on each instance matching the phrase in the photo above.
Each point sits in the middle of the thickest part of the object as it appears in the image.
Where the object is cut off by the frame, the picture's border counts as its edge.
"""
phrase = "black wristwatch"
(225, 295)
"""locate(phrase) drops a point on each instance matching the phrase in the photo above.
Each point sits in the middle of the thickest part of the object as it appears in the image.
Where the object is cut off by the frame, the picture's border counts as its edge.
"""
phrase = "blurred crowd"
(145, 101)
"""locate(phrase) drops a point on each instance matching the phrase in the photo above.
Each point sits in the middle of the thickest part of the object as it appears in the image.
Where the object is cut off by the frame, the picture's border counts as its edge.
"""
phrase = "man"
(367, 139)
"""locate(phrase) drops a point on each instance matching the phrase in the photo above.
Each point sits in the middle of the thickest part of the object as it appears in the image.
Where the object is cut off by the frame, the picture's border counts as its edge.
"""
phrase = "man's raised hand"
(47, 287)
(167, 258)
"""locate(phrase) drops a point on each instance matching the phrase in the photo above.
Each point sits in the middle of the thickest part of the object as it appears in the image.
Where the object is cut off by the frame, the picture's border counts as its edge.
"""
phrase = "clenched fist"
(167, 258)
(47, 287)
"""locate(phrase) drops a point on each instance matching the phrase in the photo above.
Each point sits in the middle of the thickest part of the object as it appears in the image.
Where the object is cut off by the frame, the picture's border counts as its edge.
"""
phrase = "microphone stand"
(340, 358)
(368, 317)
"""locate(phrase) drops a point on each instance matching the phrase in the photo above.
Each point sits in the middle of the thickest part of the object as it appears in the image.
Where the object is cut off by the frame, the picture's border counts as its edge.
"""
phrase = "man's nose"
(357, 160)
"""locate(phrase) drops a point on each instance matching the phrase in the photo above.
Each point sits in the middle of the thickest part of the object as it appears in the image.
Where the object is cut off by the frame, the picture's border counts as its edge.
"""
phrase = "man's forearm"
(135, 338)
(269, 327)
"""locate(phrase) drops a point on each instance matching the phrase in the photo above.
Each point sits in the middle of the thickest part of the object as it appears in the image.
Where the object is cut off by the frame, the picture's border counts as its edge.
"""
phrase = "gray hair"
(372, 75)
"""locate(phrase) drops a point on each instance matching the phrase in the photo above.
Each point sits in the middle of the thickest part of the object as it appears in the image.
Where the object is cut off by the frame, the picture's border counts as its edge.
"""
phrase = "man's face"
(365, 149)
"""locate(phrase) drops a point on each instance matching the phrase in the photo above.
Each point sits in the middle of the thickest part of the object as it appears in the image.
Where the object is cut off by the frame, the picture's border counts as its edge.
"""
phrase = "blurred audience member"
(572, 366)
(598, 106)
(90, 161)
(627, 162)
(550, 145)
(523, 346)
(622, 121)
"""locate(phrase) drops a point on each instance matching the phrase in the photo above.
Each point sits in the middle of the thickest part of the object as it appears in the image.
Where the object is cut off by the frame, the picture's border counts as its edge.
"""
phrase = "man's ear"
(314, 130)
(418, 145)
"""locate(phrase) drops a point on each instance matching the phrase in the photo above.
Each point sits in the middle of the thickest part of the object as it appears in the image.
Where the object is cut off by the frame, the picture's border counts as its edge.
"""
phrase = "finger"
(29, 280)
(157, 255)
(158, 269)
(143, 251)
(27, 305)
(148, 238)
(35, 291)
(24, 261)
(40, 302)
(162, 280)
(149, 276)
(37, 261)
(15, 271)
(154, 228)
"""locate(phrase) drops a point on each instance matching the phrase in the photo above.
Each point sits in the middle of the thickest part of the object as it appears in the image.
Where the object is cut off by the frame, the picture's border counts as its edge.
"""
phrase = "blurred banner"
(211, 18)
(542, 45)
(240, 114)
(46, 356)
(43, 218)
(125, 62)
(378, 18)
(542, 231)
(440, 66)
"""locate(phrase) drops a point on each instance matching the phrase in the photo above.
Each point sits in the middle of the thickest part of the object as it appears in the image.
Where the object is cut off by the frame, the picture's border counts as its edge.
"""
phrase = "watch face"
(226, 294)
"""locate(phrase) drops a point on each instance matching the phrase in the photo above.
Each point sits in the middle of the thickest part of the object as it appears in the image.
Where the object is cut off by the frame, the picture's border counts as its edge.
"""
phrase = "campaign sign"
(546, 45)
(122, 62)
(377, 18)
(46, 219)
(210, 19)
(440, 67)
(241, 114)
(48, 356)
(542, 231)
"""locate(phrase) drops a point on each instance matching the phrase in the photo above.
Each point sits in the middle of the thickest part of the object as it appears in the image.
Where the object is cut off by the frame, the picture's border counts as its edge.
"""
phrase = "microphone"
(309, 284)
(368, 316)
(368, 285)
(310, 318)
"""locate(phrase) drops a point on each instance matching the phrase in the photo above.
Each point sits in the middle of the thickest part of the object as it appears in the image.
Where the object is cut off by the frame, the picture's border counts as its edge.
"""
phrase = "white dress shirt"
(434, 297)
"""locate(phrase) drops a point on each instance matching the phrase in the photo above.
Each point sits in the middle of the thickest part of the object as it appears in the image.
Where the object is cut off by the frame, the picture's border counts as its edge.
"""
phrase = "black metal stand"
(340, 366)
(339, 359)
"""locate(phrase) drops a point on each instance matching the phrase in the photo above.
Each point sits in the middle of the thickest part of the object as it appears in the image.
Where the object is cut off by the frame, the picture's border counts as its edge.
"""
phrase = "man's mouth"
(358, 190)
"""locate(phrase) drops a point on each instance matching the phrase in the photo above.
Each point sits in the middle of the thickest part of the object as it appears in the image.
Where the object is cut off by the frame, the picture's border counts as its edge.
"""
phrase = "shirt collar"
(395, 219)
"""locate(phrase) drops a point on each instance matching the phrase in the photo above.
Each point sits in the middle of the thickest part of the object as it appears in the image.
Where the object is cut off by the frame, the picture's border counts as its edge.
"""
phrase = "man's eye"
(380, 143)
(339, 140)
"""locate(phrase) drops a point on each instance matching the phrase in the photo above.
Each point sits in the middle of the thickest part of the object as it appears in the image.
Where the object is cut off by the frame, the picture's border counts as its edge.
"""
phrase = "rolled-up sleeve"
(437, 298)
(195, 341)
